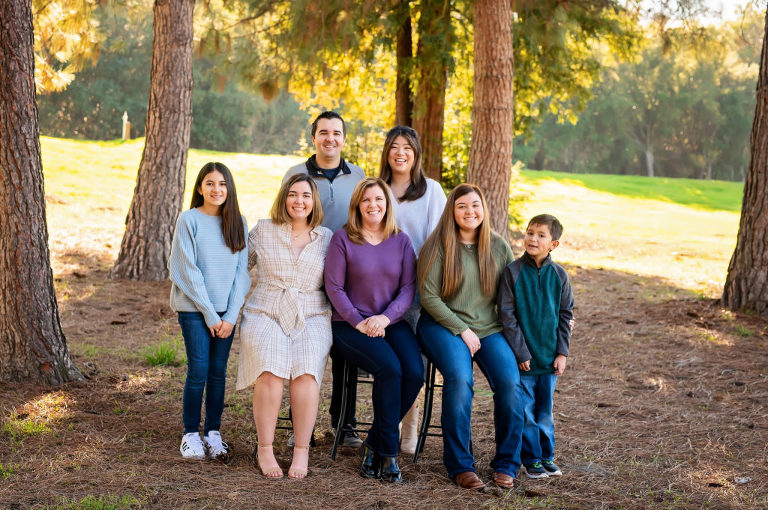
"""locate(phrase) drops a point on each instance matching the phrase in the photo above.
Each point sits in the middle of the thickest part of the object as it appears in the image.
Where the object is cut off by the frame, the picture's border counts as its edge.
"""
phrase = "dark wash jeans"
(496, 360)
(206, 371)
(395, 363)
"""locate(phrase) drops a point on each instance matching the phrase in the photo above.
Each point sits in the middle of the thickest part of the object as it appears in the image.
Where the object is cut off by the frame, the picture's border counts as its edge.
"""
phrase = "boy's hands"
(525, 366)
(559, 364)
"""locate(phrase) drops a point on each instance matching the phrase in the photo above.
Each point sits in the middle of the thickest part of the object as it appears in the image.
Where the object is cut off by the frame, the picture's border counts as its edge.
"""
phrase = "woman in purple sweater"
(370, 279)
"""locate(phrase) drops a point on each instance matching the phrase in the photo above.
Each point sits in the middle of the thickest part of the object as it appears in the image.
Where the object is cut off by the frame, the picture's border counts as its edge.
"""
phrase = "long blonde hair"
(354, 226)
(445, 238)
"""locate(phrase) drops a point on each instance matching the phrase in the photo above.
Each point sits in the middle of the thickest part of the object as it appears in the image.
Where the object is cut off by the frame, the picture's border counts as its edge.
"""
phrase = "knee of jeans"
(506, 386)
(414, 375)
(460, 385)
(389, 372)
(197, 372)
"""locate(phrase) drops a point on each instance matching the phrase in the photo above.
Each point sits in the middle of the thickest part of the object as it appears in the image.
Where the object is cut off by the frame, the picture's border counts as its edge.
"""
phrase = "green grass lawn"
(680, 229)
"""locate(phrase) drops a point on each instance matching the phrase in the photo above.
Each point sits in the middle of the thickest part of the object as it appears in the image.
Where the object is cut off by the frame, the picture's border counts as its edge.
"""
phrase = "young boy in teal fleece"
(536, 308)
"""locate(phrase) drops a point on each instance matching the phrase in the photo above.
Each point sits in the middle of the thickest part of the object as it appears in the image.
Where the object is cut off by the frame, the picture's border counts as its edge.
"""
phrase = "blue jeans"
(206, 370)
(535, 393)
(496, 360)
(394, 361)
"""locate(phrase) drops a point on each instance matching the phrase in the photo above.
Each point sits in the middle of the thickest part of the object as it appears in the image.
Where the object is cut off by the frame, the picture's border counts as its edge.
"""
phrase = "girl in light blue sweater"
(209, 271)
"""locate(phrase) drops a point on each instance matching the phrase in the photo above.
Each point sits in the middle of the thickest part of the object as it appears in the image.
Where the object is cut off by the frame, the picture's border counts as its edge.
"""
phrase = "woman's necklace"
(296, 236)
(372, 236)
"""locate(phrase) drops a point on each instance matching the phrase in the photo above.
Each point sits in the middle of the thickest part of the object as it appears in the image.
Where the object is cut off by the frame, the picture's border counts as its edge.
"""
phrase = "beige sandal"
(298, 474)
(271, 472)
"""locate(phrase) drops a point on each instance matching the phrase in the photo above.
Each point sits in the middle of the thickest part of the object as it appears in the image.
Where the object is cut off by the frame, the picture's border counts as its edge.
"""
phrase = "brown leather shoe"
(468, 480)
(503, 480)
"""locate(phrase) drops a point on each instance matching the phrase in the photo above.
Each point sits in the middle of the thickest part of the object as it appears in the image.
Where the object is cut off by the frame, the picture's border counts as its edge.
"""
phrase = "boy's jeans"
(206, 370)
(535, 394)
(497, 361)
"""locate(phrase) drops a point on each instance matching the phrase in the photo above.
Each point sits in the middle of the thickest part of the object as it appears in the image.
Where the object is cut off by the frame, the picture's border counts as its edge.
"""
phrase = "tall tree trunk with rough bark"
(435, 44)
(746, 286)
(493, 109)
(404, 55)
(159, 191)
(32, 344)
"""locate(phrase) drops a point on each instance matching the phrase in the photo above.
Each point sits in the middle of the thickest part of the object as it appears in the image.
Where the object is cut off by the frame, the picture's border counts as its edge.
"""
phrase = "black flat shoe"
(369, 467)
(390, 471)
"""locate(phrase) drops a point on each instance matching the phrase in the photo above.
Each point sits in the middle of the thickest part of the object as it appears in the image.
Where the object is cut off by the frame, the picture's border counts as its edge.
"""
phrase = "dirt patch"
(663, 405)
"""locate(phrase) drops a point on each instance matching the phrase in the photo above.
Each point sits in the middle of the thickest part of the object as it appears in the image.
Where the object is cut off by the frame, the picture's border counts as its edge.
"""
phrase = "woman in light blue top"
(209, 272)
(418, 203)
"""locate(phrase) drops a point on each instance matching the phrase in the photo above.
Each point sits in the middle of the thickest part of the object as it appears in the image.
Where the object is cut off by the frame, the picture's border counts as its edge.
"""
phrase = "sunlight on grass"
(89, 187)
(682, 230)
(689, 246)
(34, 417)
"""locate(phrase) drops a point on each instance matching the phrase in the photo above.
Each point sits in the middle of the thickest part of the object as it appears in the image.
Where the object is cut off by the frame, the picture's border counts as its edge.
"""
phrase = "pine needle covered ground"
(662, 404)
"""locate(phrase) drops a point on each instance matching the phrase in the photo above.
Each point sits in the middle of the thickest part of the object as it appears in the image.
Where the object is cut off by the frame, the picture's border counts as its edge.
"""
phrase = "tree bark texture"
(433, 56)
(404, 55)
(32, 344)
(746, 286)
(493, 112)
(159, 191)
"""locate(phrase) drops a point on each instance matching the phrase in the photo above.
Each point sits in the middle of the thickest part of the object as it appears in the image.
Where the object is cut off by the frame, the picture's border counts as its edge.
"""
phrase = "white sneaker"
(192, 447)
(216, 447)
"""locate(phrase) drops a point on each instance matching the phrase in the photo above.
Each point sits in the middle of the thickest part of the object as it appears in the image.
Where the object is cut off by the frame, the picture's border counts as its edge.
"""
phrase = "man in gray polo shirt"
(335, 179)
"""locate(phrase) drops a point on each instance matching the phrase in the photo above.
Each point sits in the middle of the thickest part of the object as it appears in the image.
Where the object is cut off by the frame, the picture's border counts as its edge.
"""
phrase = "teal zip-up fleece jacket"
(535, 310)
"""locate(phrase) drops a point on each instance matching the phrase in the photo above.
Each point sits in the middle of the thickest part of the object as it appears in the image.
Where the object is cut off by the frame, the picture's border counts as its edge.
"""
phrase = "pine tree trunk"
(404, 55)
(433, 54)
(493, 109)
(32, 344)
(159, 190)
(746, 286)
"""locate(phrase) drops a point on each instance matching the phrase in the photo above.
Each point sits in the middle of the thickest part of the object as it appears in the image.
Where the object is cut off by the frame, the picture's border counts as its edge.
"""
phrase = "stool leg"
(429, 393)
(342, 413)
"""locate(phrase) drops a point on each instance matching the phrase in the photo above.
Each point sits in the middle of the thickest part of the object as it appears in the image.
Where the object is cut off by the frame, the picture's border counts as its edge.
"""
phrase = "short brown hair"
(354, 226)
(549, 221)
(279, 213)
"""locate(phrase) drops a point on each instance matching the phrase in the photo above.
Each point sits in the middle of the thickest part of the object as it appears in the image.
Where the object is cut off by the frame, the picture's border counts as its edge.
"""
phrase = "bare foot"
(300, 463)
(267, 462)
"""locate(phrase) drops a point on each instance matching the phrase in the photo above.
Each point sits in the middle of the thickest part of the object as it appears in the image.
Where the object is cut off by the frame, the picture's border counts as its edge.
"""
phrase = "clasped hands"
(373, 326)
(221, 329)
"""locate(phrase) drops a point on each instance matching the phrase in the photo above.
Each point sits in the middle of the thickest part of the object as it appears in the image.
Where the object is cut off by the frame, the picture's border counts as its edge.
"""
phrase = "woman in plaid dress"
(286, 327)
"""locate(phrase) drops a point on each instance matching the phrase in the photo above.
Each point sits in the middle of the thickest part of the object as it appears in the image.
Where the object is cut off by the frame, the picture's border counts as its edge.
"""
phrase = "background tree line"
(680, 108)
(676, 107)
(226, 117)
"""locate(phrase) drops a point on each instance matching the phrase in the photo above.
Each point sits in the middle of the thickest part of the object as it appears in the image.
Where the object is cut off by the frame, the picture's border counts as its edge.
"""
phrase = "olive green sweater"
(468, 307)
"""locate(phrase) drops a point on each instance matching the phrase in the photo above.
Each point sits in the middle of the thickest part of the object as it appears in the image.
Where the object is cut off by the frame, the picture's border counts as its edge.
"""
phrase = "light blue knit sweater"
(207, 277)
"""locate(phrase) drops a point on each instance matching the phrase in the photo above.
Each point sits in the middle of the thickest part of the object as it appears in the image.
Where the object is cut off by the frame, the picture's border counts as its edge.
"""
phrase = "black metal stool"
(341, 428)
(426, 419)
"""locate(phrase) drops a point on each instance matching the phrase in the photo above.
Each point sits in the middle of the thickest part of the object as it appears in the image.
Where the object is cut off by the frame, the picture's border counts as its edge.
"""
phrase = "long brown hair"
(279, 213)
(418, 184)
(445, 238)
(231, 220)
(354, 226)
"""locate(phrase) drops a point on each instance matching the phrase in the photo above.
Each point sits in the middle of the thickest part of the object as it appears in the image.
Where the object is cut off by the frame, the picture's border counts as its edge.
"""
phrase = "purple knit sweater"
(362, 280)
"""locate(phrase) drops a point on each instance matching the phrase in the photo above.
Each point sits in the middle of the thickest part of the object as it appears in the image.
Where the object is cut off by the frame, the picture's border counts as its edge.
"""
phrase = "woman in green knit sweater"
(458, 269)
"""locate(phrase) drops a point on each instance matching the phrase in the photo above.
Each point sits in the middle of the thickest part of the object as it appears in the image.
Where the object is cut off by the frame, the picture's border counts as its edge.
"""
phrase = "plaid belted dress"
(286, 324)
